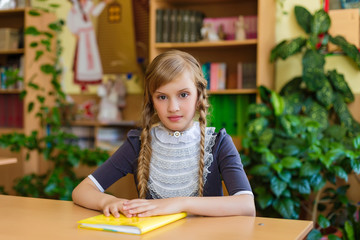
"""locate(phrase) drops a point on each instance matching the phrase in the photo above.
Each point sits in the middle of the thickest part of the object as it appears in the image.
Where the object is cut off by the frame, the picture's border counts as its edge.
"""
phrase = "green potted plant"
(300, 141)
(56, 146)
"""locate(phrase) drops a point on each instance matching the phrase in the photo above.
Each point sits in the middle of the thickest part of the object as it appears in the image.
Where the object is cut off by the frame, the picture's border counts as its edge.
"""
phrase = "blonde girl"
(178, 162)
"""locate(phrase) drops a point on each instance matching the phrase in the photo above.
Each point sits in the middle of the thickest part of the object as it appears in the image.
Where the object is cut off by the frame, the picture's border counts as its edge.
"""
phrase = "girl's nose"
(173, 105)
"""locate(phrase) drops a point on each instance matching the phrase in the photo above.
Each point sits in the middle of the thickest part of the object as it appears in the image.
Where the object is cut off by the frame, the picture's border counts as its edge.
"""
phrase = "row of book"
(229, 112)
(108, 139)
(178, 25)
(11, 111)
(11, 38)
(183, 25)
(218, 78)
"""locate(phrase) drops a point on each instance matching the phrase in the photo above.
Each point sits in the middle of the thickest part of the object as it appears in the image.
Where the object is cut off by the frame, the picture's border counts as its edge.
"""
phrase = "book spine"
(214, 74)
(173, 24)
(186, 22)
(159, 24)
(166, 25)
(206, 71)
(180, 25)
(192, 27)
(222, 76)
(239, 76)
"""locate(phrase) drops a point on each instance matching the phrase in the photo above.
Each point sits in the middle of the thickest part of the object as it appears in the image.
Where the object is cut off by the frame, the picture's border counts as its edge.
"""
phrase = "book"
(133, 225)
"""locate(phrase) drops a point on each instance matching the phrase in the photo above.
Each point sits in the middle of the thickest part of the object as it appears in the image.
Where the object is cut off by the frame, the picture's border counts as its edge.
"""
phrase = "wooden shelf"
(10, 91)
(7, 161)
(207, 44)
(12, 11)
(94, 123)
(12, 51)
(7, 130)
(233, 91)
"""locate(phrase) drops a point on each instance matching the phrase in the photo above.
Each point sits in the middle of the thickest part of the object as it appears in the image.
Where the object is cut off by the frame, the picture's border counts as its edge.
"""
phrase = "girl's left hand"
(153, 207)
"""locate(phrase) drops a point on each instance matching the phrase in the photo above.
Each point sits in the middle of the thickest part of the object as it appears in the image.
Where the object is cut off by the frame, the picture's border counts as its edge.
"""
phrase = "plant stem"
(315, 207)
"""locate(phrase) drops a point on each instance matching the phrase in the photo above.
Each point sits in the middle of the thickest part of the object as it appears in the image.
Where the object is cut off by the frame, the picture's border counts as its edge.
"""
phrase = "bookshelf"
(94, 133)
(229, 51)
(20, 19)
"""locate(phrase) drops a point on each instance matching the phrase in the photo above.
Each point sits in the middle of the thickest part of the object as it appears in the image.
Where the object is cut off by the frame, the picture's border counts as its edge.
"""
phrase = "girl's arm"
(205, 206)
(86, 194)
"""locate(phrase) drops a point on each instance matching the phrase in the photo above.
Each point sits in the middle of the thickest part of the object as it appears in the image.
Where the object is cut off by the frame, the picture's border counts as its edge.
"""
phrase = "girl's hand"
(147, 208)
(114, 206)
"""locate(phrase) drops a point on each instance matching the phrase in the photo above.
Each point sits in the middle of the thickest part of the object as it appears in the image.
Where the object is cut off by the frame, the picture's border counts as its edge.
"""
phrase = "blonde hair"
(162, 70)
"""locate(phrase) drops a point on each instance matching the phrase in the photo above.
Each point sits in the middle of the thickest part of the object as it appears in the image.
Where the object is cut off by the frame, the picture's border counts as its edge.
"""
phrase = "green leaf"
(277, 167)
(54, 5)
(309, 169)
(338, 82)
(260, 109)
(291, 162)
(291, 150)
(30, 107)
(284, 206)
(41, 99)
(304, 186)
(47, 69)
(269, 157)
(340, 172)
(356, 142)
(291, 87)
(33, 44)
(349, 230)
(39, 53)
(260, 170)
(323, 221)
(321, 22)
(32, 31)
(277, 102)
(286, 49)
(314, 235)
(285, 176)
(304, 18)
(34, 13)
(277, 186)
(355, 165)
(257, 126)
(325, 95)
(349, 49)
(313, 70)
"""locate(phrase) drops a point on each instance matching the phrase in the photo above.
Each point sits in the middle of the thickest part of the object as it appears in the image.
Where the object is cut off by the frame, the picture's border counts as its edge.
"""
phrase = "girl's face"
(175, 102)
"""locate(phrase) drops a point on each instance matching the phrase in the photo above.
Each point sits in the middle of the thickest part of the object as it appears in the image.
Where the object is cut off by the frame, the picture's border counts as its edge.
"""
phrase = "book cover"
(134, 225)
(206, 71)
(214, 75)
(222, 76)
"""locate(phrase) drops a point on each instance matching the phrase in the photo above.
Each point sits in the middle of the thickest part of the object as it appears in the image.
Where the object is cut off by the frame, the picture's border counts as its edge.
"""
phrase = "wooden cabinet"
(231, 52)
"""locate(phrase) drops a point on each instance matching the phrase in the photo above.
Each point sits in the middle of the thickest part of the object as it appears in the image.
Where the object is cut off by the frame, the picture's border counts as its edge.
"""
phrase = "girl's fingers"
(142, 209)
(114, 211)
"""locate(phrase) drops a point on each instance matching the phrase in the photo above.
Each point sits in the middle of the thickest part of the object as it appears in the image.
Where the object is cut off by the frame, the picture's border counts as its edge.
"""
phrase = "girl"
(178, 163)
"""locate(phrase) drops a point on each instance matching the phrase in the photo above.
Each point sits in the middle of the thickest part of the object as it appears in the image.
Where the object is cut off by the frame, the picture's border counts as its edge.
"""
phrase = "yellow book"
(133, 225)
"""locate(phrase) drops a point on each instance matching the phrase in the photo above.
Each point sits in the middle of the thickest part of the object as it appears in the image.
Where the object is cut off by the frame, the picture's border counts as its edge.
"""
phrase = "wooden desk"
(31, 218)
(6, 161)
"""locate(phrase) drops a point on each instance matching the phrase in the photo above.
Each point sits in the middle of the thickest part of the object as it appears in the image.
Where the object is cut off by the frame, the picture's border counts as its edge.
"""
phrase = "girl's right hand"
(114, 206)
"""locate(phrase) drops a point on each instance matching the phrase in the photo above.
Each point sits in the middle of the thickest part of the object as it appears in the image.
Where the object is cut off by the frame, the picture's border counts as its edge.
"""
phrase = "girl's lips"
(174, 118)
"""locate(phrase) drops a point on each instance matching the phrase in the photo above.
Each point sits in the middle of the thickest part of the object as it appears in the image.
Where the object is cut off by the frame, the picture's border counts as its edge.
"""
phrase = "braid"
(202, 121)
(145, 153)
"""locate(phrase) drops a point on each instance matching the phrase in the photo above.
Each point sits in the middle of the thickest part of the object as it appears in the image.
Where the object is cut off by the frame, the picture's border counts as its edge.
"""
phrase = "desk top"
(32, 218)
